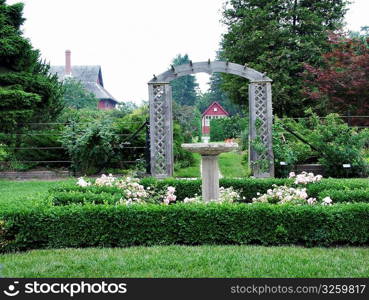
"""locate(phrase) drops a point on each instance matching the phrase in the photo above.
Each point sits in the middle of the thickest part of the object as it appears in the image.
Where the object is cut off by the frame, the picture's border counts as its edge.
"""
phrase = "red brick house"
(90, 77)
(214, 111)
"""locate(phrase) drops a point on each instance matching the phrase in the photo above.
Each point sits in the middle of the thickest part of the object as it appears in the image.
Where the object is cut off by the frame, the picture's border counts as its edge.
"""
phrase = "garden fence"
(40, 146)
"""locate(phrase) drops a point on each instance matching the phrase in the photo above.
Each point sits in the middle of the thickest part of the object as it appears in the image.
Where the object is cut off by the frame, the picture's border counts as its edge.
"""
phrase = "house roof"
(89, 76)
(215, 103)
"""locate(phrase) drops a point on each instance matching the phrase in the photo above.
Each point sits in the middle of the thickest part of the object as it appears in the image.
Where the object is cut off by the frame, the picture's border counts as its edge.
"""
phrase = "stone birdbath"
(210, 169)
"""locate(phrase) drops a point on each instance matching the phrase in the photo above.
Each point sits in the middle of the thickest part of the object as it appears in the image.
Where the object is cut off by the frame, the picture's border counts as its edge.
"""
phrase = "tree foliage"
(343, 81)
(27, 92)
(227, 128)
(277, 37)
(76, 96)
(189, 118)
(184, 88)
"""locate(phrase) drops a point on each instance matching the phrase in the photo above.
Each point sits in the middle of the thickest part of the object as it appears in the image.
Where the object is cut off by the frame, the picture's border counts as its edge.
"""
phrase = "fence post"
(349, 118)
(147, 148)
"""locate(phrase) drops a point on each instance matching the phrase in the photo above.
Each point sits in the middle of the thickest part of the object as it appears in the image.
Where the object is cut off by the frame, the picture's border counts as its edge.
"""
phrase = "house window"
(215, 109)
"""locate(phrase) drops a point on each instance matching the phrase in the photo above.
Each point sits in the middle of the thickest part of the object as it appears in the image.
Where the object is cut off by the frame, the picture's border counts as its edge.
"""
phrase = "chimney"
(68, 64)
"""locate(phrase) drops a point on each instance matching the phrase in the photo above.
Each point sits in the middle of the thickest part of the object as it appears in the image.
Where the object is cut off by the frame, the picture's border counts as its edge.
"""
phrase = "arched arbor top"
(210, 67)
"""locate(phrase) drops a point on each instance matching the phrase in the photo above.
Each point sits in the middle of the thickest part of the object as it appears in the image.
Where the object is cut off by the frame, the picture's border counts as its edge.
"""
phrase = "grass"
(185, 261)
(25, 193)
(230, 165)
(193, 171)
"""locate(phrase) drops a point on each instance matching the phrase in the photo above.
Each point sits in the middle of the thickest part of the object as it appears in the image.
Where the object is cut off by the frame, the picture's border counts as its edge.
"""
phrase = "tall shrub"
(225, 128)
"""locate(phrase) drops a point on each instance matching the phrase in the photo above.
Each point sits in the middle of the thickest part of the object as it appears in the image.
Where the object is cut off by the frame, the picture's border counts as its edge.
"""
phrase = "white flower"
(81, 182)
(171, 189)
(311, 201)
(327, 201)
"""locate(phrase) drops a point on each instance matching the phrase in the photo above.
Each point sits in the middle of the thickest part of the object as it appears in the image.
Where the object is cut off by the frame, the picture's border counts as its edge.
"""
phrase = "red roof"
(210, 110)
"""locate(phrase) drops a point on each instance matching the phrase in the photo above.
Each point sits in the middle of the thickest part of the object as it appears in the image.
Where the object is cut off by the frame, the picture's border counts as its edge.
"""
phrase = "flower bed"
(247, 189)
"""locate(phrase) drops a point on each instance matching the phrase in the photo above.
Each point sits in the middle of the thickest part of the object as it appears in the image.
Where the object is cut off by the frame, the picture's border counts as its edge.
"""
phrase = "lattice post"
(261, 156)
(161, 130)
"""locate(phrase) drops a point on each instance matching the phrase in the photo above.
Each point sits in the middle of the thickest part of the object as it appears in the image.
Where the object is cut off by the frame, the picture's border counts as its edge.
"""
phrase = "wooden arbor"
(260, 107)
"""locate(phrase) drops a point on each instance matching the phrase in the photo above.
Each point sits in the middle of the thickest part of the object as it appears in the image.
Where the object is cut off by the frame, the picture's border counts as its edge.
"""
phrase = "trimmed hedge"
(314, 189)
(187, 224)
(76, 197)
(339, 196)
(73, 187)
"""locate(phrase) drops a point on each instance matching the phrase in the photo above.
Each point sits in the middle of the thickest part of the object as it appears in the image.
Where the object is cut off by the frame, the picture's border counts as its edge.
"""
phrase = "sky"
(133, 39)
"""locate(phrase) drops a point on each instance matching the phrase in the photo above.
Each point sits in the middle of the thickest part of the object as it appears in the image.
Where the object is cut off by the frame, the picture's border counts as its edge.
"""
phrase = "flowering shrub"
(82, 182)
(132, 191)
(284, 194)
(225, 195)
(105, 180)
(305, 178)
(298, 196)
(170, 197)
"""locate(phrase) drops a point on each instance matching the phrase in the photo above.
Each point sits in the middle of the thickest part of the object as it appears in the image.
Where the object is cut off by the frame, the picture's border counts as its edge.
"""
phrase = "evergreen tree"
(277, 37)
(27, 92)
(184, 88)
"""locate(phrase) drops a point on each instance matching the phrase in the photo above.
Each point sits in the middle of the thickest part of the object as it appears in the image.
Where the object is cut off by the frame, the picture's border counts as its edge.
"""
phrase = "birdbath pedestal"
(210, 169)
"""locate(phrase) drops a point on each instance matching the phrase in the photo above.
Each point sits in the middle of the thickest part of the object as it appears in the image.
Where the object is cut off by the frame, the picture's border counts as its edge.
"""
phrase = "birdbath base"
(210, 168)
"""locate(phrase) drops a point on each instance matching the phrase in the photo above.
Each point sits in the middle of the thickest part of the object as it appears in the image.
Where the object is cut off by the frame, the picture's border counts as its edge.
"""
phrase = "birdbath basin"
(209, 164)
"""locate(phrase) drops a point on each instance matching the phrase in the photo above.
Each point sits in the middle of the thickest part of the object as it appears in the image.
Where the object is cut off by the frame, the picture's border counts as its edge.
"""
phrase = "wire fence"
(38, 153)
(25, 148)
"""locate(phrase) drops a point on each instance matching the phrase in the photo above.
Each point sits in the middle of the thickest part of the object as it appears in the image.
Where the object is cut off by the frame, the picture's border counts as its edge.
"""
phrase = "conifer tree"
(27, 92)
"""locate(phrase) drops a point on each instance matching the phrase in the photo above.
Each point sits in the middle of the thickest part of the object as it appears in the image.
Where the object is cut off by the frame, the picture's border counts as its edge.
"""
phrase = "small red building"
(214, 111)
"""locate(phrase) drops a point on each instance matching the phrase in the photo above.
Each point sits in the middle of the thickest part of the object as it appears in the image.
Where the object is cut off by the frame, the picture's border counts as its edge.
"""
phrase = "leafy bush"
(90, 148)
(335, 144)
(340, 145)
(182, 158)
(187, 224)
(287, 149)
(226, 128)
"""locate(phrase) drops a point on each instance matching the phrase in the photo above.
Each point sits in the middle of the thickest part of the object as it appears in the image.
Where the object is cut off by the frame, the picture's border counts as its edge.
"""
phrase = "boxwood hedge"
(339, 196)
(188, 224)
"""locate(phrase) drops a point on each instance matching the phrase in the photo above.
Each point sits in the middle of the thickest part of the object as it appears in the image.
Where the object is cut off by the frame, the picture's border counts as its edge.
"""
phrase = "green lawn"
(182, 261)
(25, 193)
(230, 165)
(193, 171)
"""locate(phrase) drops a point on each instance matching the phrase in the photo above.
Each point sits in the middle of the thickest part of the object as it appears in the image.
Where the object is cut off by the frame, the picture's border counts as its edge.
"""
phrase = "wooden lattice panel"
(261, 117)
(160, 131)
